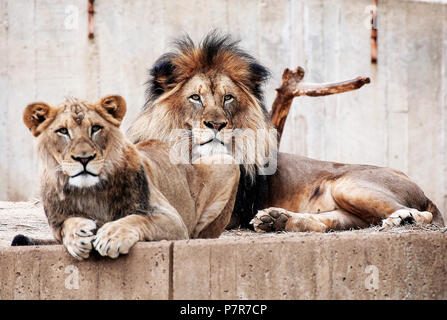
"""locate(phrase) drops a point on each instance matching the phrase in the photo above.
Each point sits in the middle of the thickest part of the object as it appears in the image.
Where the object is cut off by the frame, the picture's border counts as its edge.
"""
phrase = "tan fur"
(132, 193)
(311, 195)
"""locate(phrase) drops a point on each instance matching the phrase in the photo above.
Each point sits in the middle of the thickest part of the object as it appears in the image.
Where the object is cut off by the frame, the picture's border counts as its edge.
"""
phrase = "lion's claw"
(115, 238)
(77, 235)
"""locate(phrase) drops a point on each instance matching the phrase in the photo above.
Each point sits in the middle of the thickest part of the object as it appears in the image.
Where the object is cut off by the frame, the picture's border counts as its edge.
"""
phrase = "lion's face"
(211, 97)
(209, 104)
(77, 138)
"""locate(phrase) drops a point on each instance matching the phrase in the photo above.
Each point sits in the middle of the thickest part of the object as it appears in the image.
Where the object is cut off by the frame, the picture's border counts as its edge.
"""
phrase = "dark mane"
(215, 53)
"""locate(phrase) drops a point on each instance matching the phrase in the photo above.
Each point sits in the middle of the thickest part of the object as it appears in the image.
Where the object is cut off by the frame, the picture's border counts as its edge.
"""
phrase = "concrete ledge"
(49, 272)
(347, 265)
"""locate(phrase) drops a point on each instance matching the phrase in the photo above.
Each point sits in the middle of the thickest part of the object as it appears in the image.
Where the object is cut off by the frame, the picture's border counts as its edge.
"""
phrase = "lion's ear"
(37, 116)
(259, 73)
(113, 108)
(258, 76)
(161, 78)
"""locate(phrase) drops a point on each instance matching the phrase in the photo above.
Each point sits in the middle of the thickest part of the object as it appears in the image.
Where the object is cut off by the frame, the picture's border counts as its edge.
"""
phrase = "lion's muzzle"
(83, 171)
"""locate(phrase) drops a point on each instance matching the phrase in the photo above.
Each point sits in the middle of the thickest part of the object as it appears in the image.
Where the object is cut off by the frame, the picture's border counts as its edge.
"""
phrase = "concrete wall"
(383, 265)
(398, 120)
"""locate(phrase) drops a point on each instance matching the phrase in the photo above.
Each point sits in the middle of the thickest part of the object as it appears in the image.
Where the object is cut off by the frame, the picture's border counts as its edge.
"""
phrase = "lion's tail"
(21, 240)
(437, 215)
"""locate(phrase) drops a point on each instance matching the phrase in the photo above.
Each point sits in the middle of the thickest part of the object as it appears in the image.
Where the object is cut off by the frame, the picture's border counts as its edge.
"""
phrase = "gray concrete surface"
(348, 265)
(399, 120)
(48, 272)
(402, 263)
(22, 218)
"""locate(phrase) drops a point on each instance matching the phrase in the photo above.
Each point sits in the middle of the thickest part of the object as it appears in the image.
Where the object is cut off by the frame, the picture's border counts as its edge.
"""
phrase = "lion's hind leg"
(278, 219)
(378, 204)
(407, 216)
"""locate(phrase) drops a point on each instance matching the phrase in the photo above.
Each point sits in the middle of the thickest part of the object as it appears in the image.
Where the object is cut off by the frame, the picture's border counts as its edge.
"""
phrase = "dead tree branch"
(292, 87)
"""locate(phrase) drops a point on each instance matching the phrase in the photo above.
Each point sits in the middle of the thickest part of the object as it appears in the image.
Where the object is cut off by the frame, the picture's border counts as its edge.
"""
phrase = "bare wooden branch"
(91, 12)
(292, 87)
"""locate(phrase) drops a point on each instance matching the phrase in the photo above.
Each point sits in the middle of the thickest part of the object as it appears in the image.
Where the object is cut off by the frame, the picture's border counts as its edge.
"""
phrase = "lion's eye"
(96, 128)
(228, 98)
(195, 97)
(62, 131)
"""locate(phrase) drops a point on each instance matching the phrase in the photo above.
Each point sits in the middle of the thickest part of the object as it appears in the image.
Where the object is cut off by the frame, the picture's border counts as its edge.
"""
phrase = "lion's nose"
(215, 125)
(84, 160)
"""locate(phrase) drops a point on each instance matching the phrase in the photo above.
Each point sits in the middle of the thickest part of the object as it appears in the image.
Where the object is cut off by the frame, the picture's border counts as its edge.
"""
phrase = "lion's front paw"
(115, 238)
(271, 219)
(77, 235)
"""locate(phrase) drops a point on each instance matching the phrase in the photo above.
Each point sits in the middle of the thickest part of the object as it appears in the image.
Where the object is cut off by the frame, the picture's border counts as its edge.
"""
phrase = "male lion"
(94, 178)
(213, 90)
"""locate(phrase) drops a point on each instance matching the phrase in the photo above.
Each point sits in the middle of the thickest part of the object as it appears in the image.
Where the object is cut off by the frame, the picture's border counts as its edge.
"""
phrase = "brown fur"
(133, 193)
(318, 196)
(304, 194)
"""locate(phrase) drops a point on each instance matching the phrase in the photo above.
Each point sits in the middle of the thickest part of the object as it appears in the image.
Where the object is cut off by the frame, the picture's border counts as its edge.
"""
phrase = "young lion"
(102, 192)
